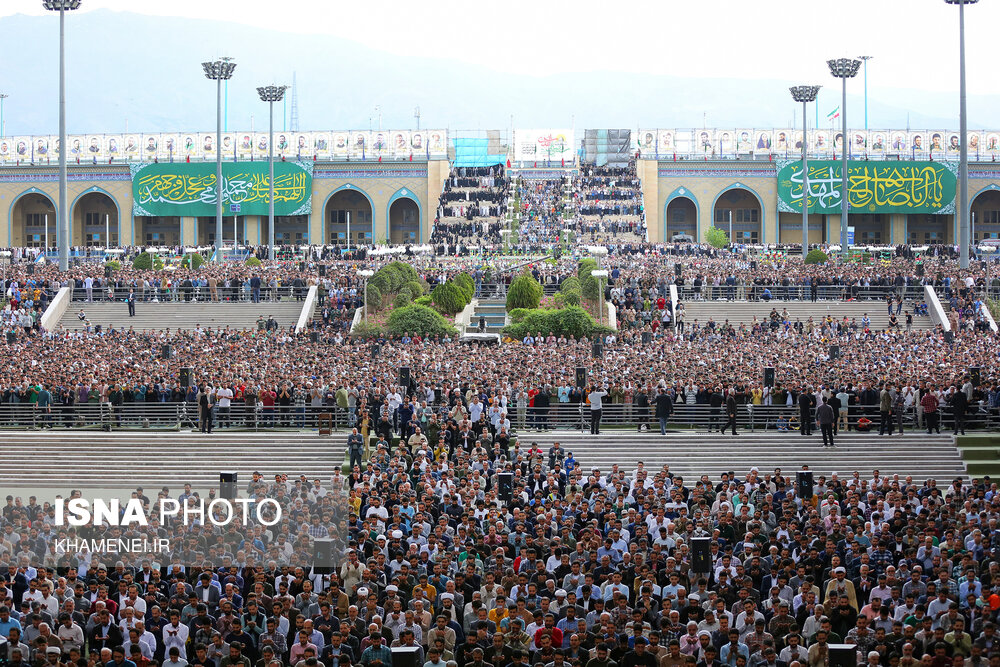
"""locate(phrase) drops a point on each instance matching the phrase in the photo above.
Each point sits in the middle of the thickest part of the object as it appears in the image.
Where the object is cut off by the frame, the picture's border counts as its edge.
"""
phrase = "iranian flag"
(833, 115)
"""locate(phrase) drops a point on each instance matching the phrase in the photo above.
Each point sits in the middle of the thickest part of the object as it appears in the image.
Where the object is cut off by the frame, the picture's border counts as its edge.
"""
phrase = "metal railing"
(169, 415)
(560, 416)
(753, 292)
(201, 293)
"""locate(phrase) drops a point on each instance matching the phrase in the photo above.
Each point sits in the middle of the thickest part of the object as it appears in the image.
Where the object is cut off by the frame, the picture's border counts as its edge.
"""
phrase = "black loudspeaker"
(322, 270)
(405, 656)
(314, 336)
(753, 266)
(581, 376)
(949, 336)
(769, 377)
(30, 269)
(920, 269)
(227, 485)
(505, 486)
(107, 271)
(302, 266)
(165, 352)
(404, 376)
(834, 352)
(187, 377)
(974, 376)
(805, 478)
(11, 337)
(647, 338)
(841, 655)
(678, 269)
(323, 556)
(701, 555)
(598, 350)
(97, 328)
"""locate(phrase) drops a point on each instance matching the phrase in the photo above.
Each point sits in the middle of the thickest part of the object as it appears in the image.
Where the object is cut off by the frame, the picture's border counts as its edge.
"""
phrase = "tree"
(592, 288)
(414, 319)
(448, 298)
(253, 261)
(374, 298)
(524, 292)
(143, 261)
(193, 260)
(816, 256)
(716, 237)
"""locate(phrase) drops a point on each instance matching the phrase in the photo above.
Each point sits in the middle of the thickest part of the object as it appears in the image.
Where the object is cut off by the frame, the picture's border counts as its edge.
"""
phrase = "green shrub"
(381, 281)
(424, 300)
(570, 283)
(524, 292)
(466, 284)
(367, 330)
(584, 267)
(393, 279)
(114, 265)
(193, 260)
(157, 263)
(592, 288)
(402, 299)
(558, 301)
(816, 256)
(572, 297)
(415, 287)
(416, 319)
(253, 261)
(448, 298)
(406, 271)
(374, 297)
(568, 321)
(716, 237)
(143, 261)
(518, 314)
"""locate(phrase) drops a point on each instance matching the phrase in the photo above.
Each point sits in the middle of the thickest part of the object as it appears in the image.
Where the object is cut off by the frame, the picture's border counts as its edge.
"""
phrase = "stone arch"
(689, 215)
(90, 227)
(403, 214)
(26, 219)
(747, 221)
(348, 202)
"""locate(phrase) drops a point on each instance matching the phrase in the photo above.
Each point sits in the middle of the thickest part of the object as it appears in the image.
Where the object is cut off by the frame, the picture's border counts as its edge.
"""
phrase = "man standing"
(930, 405)
(664, 406)
(826, 417)
(131, 303)
(805, 408)
(959, 405)
(595, 396)
(730, 412)
(355, 446)
(205, 404)
(885, 410)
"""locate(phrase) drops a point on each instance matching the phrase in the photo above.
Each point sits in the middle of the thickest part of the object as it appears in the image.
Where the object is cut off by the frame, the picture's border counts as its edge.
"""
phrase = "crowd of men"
(472, 207)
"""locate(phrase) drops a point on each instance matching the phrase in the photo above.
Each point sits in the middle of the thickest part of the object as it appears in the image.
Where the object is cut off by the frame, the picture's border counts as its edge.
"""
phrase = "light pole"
(218, 71)
(4, 96)
(63, 227)
(366, 274)
(270, 94)
(865, 59)
(805, 94)
(844, 69)
(963, 141)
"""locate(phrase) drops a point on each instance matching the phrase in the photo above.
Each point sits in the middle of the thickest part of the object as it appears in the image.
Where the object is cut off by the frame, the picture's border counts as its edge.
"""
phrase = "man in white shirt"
(175, 633)
(595, 397)
(224, 397)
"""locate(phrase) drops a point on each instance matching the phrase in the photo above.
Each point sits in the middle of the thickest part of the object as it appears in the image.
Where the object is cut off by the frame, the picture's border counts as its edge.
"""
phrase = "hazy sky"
(914, 42)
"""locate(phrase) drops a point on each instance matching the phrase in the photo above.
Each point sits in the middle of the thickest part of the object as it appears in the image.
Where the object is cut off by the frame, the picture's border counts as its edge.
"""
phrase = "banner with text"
(873, 187)
(190, 189)
(543, 145)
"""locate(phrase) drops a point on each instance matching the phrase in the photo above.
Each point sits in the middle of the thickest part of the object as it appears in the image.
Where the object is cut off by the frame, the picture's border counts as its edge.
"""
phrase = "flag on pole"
(833, 115)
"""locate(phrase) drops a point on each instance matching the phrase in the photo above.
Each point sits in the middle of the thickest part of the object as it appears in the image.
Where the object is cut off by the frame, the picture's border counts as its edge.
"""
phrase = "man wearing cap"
(841, 585)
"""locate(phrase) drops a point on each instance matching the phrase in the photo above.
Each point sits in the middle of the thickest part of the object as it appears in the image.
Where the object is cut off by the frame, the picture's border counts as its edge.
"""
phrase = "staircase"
(92, 460)
(173, 315)
(495, 311)
(695, 454)
(981, 453)
(80, 459)
(743, 312)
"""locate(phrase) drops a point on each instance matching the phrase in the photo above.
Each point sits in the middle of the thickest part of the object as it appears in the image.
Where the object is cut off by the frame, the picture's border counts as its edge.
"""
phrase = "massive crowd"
(472, 207)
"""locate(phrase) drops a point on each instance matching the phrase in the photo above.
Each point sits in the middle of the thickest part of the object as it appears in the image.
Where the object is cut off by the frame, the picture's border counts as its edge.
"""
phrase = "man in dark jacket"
(730, 413)
(826, 418)
(805, 409)
(664, 406)
(959, 405)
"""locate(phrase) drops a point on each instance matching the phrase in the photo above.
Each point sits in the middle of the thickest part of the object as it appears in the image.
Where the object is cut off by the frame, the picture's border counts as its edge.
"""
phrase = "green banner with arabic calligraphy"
(189, 189)
(873, 187)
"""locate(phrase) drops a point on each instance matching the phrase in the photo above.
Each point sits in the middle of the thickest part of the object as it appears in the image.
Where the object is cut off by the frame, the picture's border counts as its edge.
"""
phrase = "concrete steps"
(154, 459)
(981, 453)
(693, 454)
(157, 316)
(743, 312)
(495, 312)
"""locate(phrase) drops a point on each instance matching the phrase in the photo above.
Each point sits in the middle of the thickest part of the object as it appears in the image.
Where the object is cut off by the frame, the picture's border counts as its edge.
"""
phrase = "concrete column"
(189, 231)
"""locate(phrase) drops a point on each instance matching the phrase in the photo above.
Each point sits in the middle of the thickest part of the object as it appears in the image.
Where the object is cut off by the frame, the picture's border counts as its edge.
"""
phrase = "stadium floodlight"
(805, 94)
(963, 141)
(366, 274)
(218, 71)
(63, 228)
(271, 94)
(844, 69)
